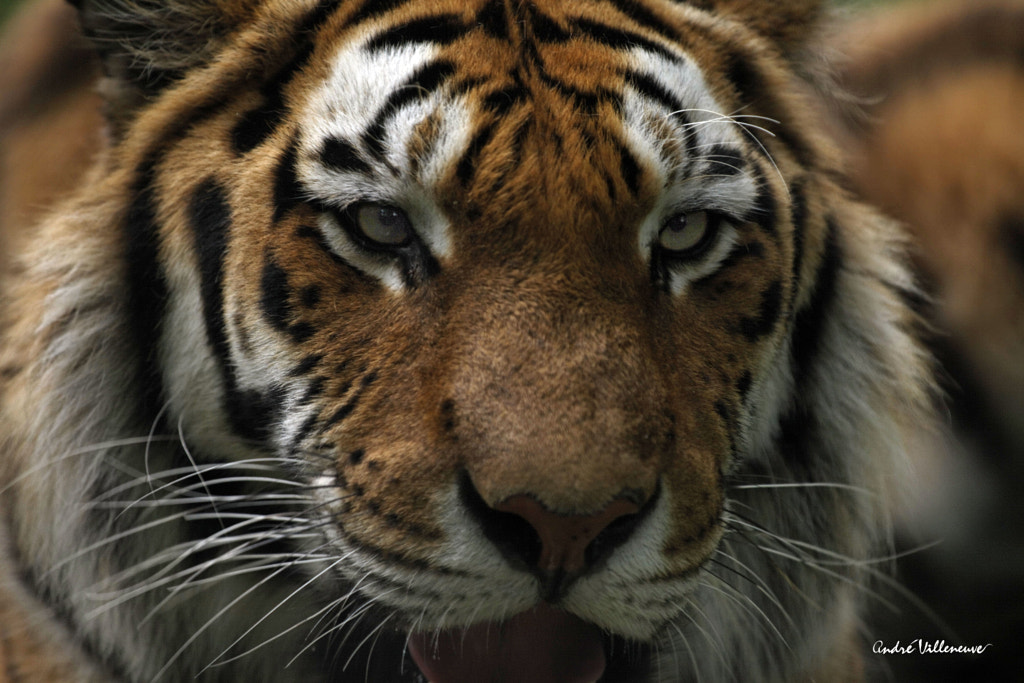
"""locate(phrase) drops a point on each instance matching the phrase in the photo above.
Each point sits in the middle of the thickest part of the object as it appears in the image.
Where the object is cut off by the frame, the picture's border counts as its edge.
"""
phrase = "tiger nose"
(565, 540)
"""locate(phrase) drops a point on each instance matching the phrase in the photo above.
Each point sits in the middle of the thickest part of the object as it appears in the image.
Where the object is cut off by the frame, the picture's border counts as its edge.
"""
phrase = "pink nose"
(565, 538)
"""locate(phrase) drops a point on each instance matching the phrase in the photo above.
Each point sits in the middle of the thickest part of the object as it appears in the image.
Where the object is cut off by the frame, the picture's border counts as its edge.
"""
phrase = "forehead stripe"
(341, 155)
(420, 85)
(467, 164)
(630, 169)
(621, 40)
(725, 160)
(439, 30)
(644, 17)
(544, 29)
(375, 8)
(494, 20)
(653, 90)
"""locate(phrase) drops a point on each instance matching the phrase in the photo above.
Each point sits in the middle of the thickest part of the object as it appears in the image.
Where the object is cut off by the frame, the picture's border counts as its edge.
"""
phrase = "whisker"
(806, 485)
(217, 660)
(209, 623)
(747, 128)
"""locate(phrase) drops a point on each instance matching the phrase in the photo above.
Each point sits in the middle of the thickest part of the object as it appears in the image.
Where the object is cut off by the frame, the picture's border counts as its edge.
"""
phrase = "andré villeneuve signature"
(920, 646)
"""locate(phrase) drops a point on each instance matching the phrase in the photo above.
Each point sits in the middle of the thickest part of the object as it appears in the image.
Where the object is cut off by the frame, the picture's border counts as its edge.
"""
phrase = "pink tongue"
(543, 645)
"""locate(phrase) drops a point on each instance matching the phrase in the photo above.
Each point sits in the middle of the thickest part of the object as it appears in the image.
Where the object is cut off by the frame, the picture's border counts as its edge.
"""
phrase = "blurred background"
(932, 126)
(928, 104)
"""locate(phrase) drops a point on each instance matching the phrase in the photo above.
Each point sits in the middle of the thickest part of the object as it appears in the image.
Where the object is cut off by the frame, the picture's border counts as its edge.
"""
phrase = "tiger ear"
(787, 23)
(146, 44)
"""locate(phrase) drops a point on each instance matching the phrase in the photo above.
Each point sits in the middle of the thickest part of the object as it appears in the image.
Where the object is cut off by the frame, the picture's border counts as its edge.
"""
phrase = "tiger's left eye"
(383, 225)
(688, 235)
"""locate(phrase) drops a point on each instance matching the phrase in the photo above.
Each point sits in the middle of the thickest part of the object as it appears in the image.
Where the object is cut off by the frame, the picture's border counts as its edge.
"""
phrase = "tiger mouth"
(542, 645)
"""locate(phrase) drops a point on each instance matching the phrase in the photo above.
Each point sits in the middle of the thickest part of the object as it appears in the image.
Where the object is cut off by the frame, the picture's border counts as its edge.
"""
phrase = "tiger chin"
(452, 341)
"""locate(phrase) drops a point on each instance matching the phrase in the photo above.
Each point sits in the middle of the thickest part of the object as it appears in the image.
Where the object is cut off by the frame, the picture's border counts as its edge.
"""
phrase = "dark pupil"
(390, 218)
(677, 223)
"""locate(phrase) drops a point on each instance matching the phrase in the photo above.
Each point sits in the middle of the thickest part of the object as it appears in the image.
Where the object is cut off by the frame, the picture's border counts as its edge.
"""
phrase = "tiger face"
(491, 341)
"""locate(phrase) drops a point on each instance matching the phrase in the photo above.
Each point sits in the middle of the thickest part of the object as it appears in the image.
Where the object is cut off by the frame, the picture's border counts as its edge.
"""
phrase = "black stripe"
(287, 192)
(310, 296)
(630, 169)
(275, 302)
(437, 30)
(250, 413)
(346, 409)
(765, 211)
(502, 101)
(375, 8)
(769, 311)
(809, 325)
(313, 391)
(421, 84)
(746, 78)
(743, 385)
(209, 216)
(725, 160)
(304, 430)
(796, 443)
(147, 289)
(494, 20)
(306, 365)
(258, 124)
(724, 413)
(546, 30)
(467, 164)
(147, 283)
(619, 39)
(1011, 237)
(798, 215)
(652, 89)
(586, 102)
(319, 15)
(341, 155)
(254, 414)
(275, 295)
(643, 16)
(609, 185)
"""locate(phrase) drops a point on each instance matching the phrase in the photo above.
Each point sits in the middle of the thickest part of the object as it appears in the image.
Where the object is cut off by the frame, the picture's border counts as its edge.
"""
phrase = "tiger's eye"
(687, 234)
(384, 225)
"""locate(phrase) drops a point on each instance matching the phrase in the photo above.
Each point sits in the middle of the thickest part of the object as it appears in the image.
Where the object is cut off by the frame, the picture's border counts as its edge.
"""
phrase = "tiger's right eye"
(686, 236)
(382, 226)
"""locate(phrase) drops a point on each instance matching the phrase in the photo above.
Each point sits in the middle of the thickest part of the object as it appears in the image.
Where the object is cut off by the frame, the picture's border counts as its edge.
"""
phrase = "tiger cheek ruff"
(453, 341)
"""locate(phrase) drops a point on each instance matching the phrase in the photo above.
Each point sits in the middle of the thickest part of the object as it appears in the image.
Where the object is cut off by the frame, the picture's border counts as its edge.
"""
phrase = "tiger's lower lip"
(541, 645)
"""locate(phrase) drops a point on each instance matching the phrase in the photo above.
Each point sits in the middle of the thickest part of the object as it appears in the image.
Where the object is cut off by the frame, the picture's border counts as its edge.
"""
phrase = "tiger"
(455, 341)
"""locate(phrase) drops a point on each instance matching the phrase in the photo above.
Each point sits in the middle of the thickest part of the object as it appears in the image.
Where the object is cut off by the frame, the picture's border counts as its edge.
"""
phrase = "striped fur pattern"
(352, 275)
